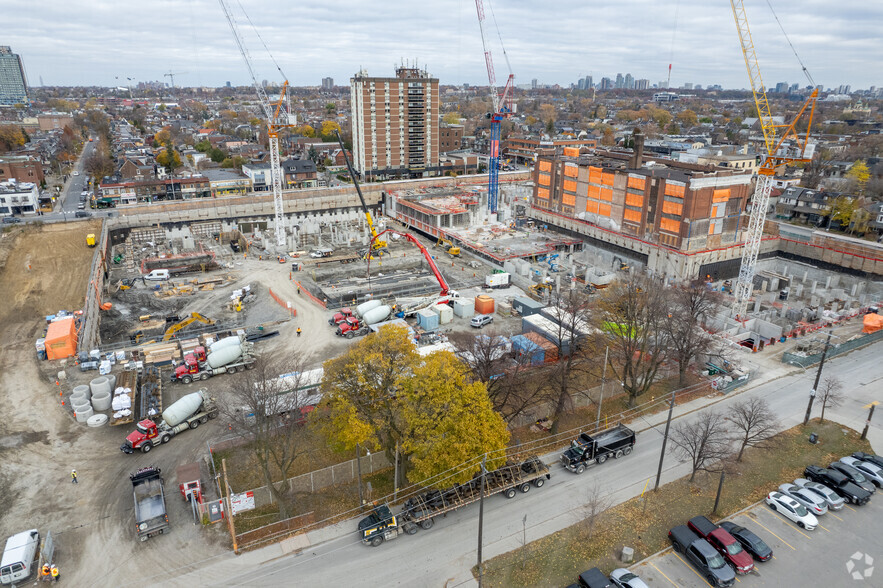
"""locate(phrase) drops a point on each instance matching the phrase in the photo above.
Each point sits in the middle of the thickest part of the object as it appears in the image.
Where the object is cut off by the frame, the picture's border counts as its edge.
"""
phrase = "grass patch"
(643, 524)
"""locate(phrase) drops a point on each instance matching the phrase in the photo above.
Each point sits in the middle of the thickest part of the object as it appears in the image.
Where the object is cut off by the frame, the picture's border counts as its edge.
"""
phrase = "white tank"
(222, 343)
(223, 356)
(183, 409)
(367, 306)
(376, 315)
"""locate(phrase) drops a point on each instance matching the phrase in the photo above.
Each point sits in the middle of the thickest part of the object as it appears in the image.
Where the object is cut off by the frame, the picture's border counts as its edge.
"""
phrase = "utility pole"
(481, 519)
(868, 423)
(359, 468)
(720, 486)
(603, 380)
(671, 409)
(815, 386)
(229, 498)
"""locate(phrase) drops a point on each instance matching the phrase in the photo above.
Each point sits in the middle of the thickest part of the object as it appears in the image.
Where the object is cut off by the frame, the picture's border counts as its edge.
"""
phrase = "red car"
(725, 543)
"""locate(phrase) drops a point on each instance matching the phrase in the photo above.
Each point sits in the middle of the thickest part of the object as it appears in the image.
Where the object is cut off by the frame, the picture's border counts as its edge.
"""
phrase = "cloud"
(93, 43)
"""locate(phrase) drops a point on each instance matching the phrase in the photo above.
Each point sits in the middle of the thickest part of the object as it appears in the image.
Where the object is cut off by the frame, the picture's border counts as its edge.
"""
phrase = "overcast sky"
(80, 43)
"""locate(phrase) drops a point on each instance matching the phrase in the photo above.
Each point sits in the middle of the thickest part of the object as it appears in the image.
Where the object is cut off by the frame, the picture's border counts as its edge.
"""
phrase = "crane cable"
(500, 36)
(254, 28)
(790, 44)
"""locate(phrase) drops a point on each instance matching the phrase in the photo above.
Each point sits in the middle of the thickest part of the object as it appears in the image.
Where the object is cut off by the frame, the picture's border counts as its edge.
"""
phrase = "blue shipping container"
(521, 345)
(427, 320)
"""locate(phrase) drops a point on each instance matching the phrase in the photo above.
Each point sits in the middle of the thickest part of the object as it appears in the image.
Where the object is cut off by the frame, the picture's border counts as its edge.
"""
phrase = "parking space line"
(850, 508)
(692, 569)
(835, 516)
(824, 528)
(782, 518)
(663, 574)
(774, 535)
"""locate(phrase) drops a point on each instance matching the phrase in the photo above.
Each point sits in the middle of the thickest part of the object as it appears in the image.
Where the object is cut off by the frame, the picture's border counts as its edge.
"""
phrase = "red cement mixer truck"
(224, 357)
(189, 412)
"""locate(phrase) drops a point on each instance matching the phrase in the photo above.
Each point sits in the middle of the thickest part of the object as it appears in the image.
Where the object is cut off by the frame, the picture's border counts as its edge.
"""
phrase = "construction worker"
(298, 331)
(54, 570)
(44, 573)
(74, 477)
(298, 290)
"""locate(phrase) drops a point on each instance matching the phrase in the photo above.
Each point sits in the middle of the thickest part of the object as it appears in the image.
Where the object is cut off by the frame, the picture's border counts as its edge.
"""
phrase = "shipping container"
(464, 307)
(524, 347)
(445, 313)
(550, 350)
(427, 319)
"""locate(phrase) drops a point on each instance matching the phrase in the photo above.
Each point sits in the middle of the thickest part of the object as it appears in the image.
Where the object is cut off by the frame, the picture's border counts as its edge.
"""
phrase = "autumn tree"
(451, 118)
(858, 175)
(701, 440)
(169, 158)
(690, 306)
(10, 138)
(328, 129)
(830, 395)
(267, 409)
(630, 314)
(842, 210)
(754, 422)
(687, 118)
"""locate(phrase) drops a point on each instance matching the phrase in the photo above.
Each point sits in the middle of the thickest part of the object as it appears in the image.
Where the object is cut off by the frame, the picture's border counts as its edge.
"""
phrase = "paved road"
(445, 554)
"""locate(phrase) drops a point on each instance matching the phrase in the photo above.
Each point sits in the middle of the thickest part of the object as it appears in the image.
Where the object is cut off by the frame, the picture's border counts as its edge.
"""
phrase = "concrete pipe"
(113, 381)
(100, 384)
(101, 402)
(83, 415)
(96, 420)
(79, 399)
(80, 407)
(82, 390)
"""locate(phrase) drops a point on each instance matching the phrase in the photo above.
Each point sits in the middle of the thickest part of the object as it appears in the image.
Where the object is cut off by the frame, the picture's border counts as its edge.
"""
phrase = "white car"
(76, 173)
(834, 500)
(623, 578)
(813, 502)
(872, 471)
(792, 510)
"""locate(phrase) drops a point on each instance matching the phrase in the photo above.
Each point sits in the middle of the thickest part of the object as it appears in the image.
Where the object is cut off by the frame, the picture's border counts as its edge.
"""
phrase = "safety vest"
(54, 572)
(45, 570)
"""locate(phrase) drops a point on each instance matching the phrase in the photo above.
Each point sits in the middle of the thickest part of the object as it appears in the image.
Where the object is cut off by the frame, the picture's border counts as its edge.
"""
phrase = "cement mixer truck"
(226, 356)
(353, 327)
(187, 413)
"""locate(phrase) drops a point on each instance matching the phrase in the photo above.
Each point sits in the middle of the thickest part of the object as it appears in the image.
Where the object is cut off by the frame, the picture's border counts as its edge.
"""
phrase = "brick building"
(123, 193)
(298, 173)
(395, 124)
(22, 168)
(682, 206)
(50, 121)
(526, 149)
(450, 138)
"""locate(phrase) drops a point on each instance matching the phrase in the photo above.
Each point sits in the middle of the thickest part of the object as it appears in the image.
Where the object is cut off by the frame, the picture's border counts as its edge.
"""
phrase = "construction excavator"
(448, 246)
(378, 246)
(194, 316)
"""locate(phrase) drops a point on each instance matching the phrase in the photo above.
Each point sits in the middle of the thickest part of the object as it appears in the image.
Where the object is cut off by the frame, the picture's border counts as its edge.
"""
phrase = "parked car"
(481, 320)
(813, 502)
(839, 483)
(76, 173)
(834, 500)
(750, 542)
(723, 542)
(855, 476)
(871, 471)
(8, 220)
(81, 205)
(593, 578)
(83, 214)
(874, 459)
(792, 510)
(623, 578)
(702, 556)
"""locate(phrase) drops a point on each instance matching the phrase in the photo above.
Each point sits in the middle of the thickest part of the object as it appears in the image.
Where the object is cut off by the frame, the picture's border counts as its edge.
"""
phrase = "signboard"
(242, 502)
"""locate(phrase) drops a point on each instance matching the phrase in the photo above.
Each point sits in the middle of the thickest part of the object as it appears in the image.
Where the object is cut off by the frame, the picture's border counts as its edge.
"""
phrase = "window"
(634, 200)
(631, 215)
(637, 183)
(545, 180)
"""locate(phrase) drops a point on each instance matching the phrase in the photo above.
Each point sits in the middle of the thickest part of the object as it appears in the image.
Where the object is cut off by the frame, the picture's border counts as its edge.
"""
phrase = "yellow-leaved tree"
(450, 420)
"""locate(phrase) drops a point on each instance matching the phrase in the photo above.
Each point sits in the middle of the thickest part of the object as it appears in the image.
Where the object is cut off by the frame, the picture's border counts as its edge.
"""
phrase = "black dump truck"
(587, 449)
(382, 525)
(150, 503)
(702, 556)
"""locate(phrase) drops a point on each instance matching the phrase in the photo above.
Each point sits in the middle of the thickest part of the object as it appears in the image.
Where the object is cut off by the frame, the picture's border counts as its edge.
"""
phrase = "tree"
(237, 161)
(169, 159)
(687, 118)
(99, 164)
(830, 395)
(608, 138)
(327, 130)
(216, 155)
(814, 171)
(548, 112)
(755, 423)
(594, 505)
(449, 421)
(702, 441)
(690, 306)
(842, 210)
(306, 131)
(330, 108)
(858, 175)
(10, 138)
(203, 146)
(451, 118)
(312, 154)
(630, 314)
(267, 409)
(163, 136)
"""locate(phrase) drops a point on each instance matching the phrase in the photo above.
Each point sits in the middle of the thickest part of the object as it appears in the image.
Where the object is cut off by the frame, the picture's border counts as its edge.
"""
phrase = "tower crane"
(273, 114)
(171, 75)
(502, 108)
(777, 155)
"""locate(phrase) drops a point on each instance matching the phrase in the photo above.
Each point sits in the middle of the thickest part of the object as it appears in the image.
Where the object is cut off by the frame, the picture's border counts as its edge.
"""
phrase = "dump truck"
(150, 503)
(587, 449)
(90, 240)
(420, 511)
(226, 359)
(187, 413)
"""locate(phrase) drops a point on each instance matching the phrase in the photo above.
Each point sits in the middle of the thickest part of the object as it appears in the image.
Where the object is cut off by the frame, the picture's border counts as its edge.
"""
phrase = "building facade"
(13, 84)
(22, 168)
(298, 173)
(18, 198)
(49, 121)
(125, 193)
(395, 124)
(450, 138)
(525, 149)
(224, 182)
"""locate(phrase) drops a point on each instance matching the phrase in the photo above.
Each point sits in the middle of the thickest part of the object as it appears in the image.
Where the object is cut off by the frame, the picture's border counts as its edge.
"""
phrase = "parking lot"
(808, 558)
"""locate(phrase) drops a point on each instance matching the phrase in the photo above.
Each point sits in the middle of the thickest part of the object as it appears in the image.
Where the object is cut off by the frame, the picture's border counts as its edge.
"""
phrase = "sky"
(102, 42)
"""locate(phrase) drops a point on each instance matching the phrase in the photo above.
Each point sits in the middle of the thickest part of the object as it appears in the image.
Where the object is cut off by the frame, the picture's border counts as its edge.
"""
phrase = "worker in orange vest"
(298, 331)
(54, 573)
(44, 573)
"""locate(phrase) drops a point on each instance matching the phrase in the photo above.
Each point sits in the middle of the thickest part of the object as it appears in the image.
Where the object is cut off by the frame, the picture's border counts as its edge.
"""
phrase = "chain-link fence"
(805, 361)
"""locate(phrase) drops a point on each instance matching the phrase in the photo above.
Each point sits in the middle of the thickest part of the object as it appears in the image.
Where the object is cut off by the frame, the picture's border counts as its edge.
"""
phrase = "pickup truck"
(725, 544)
(702, 556)
(839, 483)
(588, 449)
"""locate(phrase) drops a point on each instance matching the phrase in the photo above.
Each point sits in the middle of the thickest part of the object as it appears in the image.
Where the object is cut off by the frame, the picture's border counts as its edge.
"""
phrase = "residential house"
(259, 173)
(299, 173)
(116, 192)
(18, 198)
(227, 182)
(803, 204)
(22, 168)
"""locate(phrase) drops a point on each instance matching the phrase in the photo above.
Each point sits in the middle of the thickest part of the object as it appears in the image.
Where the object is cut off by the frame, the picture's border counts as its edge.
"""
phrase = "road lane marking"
(692, 569)
(774, 535)
(663, 574)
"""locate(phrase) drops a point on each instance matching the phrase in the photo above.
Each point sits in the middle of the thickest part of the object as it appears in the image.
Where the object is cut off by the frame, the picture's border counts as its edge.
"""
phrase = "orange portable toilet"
(61, 339)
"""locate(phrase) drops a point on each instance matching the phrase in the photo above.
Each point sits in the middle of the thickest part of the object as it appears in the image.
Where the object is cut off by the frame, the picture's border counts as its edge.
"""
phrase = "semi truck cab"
(145, 431)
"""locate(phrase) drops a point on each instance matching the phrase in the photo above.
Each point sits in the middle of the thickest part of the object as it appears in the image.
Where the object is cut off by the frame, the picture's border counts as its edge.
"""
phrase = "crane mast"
(776, 156)
(273, 126)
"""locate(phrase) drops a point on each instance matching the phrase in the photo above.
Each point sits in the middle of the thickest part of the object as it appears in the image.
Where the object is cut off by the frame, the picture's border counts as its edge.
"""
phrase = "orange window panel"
(595, 192)
(571, 171)
(571, 152)
(634, 200)
(672, 208)
(568, 199)
(545, 166)
(545, 180)
(720, 195)
(632, 215)
(672, 190)
(569, 186)
(543, 193)
(604, 210)
(592, 206)
(607, 179)
(607, 194)
(595, 175)
(672, 226)
(637, 183)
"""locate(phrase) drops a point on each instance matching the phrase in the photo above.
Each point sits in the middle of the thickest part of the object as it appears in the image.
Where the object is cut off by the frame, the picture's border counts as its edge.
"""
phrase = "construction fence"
(286, 304)
(805, 361)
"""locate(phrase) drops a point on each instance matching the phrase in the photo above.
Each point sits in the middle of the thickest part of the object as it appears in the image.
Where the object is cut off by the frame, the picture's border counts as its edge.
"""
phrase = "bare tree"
(594, 504)
(755, 423)
(267, 405)
(690, 306)
(830, 395)
(630, 315)
(703, 441)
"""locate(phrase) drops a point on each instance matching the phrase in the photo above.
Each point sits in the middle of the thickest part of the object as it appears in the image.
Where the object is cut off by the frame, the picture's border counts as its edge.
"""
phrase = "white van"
(18, 556)
(160, 274)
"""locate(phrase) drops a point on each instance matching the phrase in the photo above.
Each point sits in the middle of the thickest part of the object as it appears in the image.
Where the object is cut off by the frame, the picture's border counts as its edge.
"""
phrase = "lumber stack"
(160, 353)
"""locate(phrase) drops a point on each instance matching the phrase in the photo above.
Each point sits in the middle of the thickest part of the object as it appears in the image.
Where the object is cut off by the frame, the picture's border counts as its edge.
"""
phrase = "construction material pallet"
(127, 379)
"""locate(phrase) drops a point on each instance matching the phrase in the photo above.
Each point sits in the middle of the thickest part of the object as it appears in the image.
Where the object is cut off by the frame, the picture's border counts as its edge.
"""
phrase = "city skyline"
(96, 44)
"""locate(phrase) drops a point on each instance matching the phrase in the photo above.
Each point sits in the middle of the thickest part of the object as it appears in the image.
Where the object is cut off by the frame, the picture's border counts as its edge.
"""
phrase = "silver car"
(623, 578)
(813, 503)
(872, 471)
(834, 500)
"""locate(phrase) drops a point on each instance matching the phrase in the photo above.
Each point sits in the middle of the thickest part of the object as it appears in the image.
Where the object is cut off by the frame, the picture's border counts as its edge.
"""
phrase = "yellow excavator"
(538, 288)
(378, 246)
(448, 246)
(194, 316)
